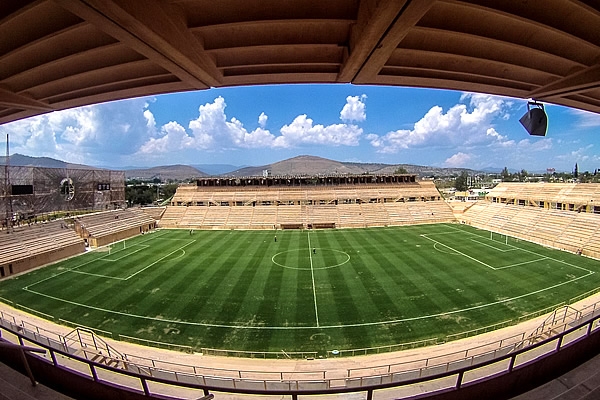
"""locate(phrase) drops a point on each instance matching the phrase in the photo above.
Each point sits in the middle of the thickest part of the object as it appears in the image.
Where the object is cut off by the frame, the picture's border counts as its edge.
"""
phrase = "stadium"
(349, 286)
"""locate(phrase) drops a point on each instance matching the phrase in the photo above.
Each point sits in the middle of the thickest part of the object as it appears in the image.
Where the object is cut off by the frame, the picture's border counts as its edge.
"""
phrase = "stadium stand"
(27, 247)
(559, 215)
(107, 227)
(308, 206)
(154, 212)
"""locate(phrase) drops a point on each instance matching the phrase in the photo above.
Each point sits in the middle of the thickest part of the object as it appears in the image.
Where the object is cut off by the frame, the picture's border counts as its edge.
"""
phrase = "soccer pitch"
(304, 290)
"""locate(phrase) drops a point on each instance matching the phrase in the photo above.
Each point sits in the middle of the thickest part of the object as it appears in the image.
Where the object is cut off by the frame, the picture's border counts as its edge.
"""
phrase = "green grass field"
(307, 291)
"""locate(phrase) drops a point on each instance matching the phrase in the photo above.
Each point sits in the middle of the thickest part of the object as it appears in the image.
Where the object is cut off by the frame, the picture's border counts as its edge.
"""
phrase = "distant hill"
(20, 160)
(216, 169)
(312, 165)
(300, 165)
(164, 173)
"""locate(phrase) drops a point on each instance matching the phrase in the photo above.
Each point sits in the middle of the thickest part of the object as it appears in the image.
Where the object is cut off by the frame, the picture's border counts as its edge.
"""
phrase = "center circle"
(316, 258)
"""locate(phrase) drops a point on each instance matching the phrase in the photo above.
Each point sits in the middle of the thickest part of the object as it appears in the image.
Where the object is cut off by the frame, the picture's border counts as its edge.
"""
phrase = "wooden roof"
(57, 54)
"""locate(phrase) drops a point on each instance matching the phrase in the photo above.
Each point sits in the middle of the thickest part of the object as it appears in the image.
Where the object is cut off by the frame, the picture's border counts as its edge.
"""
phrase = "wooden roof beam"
(374, 19)
(14, 100)
(409, 16)
(155, 30)
(575, 83)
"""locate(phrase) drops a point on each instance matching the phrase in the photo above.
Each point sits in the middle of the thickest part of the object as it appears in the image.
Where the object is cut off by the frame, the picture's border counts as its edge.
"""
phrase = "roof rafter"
(11, 99)
(575, 83)
(407, 19)
(374, 19)
(154, 30)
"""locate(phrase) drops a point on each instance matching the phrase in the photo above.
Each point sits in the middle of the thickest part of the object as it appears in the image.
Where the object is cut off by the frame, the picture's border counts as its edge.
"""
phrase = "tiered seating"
(440, 211)
(548, 225)
(398, 214)
(172, 216)
(351, 216)
(534, 193)
(568, 229)
(375, 214)
(192, 217)
(264, 217)
(291, 215)
(154, 212)
(322, 214)
(239, 217)
(522, 221)
(40, 243)
(578, 233)
(215, 217)
(348, 205)
(106, 227)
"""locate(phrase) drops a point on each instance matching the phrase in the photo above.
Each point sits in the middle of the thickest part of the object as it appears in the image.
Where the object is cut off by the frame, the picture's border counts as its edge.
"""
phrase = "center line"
(312, 272)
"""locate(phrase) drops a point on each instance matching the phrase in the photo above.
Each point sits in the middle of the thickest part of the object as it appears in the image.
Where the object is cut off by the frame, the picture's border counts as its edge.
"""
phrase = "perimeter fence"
(442, 372)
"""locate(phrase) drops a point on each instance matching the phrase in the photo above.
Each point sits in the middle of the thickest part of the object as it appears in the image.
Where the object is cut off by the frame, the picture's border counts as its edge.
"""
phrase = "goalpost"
(505, 237)
(110, 246)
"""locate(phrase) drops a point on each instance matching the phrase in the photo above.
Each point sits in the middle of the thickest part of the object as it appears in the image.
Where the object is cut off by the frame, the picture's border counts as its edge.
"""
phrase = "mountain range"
(300, 165)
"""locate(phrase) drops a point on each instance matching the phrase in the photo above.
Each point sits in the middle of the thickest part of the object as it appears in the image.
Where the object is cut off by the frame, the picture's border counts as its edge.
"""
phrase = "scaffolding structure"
(59, 189)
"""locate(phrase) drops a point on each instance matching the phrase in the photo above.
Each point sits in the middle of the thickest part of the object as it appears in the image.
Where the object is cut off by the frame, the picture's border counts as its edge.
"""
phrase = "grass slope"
(307, 291)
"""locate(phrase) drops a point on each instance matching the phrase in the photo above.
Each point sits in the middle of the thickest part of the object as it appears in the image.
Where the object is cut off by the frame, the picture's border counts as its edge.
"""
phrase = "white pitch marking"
(284, 328)
(159, 260)
(458, 252)
(312, 272)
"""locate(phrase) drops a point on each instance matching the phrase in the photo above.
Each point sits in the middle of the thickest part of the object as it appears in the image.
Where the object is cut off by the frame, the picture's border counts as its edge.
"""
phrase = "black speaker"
(535, 120)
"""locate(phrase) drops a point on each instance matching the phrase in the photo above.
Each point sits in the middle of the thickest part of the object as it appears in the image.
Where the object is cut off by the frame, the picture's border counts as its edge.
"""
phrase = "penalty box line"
(459, 252)
(512, 248)
(75, 269)
(143, 246)
(487, 265)
(589, 272)
(159, 260)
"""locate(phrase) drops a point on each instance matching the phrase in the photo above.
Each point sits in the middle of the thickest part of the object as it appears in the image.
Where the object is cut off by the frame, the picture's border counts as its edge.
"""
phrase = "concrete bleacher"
(30, 246)
(154, 212)
(549, 195)
(172, 216)
(102, 228)
(529, 212)
(342, 206)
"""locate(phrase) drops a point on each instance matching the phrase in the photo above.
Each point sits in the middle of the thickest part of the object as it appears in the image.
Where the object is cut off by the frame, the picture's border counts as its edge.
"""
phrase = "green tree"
(400, 171)
(169, 190)
(505, 175)
(461, 182)
(140, 194)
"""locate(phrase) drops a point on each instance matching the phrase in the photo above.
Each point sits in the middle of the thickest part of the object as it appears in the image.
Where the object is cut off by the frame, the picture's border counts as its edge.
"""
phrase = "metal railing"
(448, 371)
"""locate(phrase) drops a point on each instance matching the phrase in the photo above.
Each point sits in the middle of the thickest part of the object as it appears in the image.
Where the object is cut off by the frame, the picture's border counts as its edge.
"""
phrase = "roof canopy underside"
(57, 54)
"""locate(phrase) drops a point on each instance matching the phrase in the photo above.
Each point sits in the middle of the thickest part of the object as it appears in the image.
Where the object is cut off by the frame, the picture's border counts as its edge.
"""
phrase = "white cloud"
(174, 138)
(262, 119)
(302, 131)
(459, 160)
(586, 119)
(211, 131)
(461, 125)
(354, 109)
(578, 155)
(96, 134)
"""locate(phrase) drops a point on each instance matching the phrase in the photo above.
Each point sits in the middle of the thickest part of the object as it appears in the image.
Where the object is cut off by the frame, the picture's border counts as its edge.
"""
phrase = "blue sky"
(259, 125)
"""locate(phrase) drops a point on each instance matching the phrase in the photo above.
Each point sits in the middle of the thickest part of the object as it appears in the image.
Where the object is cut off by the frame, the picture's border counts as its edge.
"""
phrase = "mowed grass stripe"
(375, 281)
(228, 277)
